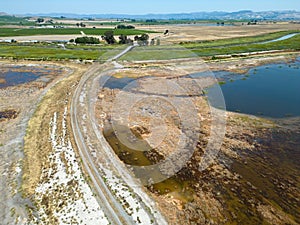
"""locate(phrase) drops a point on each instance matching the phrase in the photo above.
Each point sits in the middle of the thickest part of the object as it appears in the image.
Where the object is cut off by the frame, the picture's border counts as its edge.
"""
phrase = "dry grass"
(193, 33)
(37, 146)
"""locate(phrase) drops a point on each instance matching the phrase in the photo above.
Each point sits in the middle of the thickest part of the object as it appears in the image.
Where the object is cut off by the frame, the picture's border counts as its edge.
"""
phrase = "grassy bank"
(48, 53)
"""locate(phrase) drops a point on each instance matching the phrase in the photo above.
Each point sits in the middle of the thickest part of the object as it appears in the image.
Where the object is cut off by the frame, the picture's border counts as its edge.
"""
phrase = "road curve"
(87, 140)
(111, 207)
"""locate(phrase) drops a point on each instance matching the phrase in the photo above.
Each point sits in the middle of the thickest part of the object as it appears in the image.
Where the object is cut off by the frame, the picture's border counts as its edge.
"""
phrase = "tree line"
(86, 40)
(109, 38)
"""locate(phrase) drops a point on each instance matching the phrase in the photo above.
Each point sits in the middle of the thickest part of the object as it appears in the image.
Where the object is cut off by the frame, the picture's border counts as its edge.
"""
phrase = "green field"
(289, 44)
(10, 32)
(158, 53)
(48, 52)
(215, 48)
(52, 51)
(236, 41)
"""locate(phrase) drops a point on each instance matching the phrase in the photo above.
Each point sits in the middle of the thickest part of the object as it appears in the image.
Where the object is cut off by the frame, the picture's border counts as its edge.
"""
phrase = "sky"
(142, 6)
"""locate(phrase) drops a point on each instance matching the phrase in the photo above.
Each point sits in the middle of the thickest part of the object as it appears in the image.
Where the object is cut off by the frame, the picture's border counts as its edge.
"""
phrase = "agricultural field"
(48, 53)
(11, 32)
(215, 48)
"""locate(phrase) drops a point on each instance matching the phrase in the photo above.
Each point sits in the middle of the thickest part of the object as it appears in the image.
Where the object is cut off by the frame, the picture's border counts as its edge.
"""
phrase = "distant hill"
(240, 15)
(3, 14)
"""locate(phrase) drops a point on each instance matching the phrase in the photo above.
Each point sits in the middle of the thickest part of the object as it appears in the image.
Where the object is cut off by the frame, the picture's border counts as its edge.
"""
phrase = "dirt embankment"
(37, 146)
(194, 65)
(17, 105)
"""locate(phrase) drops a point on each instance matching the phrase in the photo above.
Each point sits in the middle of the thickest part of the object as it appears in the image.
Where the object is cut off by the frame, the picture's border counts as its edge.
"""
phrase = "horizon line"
(151, 13)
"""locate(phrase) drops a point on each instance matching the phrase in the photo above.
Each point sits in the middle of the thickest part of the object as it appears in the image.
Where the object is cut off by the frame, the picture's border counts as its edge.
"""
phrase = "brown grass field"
(193, 33)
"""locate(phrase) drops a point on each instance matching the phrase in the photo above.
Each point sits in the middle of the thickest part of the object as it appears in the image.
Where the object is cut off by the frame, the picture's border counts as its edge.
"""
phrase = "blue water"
(16, 78)
(204, 25)
(270, 90)
(281, 38)
(117, 83)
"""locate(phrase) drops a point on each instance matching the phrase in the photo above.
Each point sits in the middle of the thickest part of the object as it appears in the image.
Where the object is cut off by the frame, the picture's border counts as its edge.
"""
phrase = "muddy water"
(173, 186)
(126, 154)
(274, 170)
(120, 83)
(8, 114)
(269, 174)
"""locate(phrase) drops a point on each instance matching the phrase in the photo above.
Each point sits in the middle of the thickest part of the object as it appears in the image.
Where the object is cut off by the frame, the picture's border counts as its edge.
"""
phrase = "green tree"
(152, 41)
(123, 39)
(121, 26)
(142, 40)
(144, 37)
(87, 40)
(40, 20)
(109, 37)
